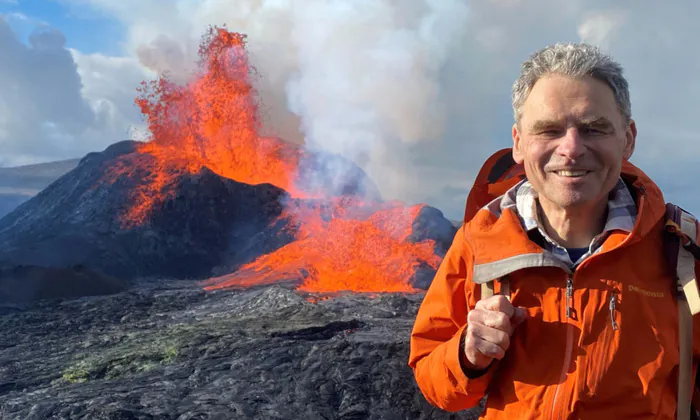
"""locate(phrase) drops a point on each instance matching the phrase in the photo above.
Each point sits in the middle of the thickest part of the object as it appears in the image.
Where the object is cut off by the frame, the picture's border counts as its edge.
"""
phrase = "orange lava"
(343, 252)
(213, 122)
(210, 122)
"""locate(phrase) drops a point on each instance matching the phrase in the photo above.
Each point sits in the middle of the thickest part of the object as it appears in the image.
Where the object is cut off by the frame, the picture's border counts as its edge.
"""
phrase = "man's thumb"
(518, 317)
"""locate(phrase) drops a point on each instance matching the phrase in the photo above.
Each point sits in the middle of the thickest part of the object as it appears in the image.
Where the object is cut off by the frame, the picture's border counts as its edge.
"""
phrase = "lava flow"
(341, 243)
(346, 251)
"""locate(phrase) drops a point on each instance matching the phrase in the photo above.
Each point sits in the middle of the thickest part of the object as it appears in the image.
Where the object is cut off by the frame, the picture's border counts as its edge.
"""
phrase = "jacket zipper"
(569, 305)
(569, 342)
(613, 302)
(613, 299)
(569, 296)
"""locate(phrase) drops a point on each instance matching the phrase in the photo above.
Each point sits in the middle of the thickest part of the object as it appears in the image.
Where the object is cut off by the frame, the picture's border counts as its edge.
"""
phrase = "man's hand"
(489, 327)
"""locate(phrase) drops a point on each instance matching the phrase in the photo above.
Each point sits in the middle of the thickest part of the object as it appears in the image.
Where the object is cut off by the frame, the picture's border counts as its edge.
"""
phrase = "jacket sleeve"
(435, 339)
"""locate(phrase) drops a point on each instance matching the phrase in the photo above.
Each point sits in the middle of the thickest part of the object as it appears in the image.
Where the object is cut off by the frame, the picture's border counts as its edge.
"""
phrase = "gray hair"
(574, 60)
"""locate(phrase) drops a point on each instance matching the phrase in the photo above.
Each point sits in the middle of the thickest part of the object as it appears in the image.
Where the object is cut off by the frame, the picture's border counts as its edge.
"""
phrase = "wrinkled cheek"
(535, 173)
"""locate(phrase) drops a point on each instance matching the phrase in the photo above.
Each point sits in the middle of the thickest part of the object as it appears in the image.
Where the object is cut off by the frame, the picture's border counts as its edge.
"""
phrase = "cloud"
(599, 28)
(417, 91)
(44, 114)
(109, 86)
(39, 95)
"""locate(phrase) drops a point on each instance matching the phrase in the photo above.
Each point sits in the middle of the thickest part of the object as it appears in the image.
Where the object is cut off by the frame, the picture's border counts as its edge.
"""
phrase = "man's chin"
(572, 200)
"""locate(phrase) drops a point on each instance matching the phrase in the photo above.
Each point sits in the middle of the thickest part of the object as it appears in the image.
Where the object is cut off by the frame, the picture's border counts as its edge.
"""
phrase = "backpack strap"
(683, 252)
(683, 228)
(487, 289)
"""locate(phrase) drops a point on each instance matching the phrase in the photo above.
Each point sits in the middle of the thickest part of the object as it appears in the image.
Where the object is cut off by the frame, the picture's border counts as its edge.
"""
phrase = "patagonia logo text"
(646, 292)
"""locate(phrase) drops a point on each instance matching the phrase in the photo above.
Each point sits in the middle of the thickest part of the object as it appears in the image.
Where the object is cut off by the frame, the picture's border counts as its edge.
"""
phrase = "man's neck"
(573, 228)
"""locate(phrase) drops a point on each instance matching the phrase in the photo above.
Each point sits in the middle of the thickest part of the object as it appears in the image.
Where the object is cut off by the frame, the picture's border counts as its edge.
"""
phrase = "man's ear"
(518, 153)
(630, 140)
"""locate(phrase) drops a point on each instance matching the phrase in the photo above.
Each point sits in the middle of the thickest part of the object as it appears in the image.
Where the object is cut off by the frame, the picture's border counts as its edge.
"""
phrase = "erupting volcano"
(207, 197)
(212, 272)
(210, 122)
(345, 243)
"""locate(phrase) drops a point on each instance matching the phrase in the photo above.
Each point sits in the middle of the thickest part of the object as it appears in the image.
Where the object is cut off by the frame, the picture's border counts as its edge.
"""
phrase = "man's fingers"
(491, 350)
(481, 333)
(489, 327)
(498, 321)
(480, 351)
(498, 303)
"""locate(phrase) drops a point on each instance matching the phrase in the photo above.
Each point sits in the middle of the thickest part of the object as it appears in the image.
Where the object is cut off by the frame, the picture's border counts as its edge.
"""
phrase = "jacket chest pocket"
(631, 347)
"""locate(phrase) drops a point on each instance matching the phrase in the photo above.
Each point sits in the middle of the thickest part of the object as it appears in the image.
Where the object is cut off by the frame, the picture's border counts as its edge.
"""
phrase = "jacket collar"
(500, 246)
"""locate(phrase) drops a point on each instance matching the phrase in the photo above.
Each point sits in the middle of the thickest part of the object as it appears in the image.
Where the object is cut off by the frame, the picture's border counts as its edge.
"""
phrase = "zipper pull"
(613, 302)
(569, 296)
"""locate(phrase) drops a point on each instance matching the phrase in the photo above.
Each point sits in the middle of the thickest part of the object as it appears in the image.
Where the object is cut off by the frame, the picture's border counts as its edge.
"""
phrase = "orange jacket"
(557, 366)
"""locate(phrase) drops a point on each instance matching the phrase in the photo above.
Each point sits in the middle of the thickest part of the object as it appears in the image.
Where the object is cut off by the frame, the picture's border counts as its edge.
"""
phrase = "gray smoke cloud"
(368, 78)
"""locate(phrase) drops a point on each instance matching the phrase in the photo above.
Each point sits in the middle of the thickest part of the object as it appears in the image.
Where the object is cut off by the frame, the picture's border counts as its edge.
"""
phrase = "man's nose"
(571, 144)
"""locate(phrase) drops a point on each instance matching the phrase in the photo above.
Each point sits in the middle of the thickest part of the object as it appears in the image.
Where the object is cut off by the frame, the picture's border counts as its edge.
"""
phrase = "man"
(589, 327)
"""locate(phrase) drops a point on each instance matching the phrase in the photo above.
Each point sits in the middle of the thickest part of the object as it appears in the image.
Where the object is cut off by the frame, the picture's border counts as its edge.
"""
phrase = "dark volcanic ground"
(168, 350)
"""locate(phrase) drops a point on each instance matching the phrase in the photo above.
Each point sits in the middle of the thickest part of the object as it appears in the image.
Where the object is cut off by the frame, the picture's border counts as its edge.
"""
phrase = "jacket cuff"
(472, 382)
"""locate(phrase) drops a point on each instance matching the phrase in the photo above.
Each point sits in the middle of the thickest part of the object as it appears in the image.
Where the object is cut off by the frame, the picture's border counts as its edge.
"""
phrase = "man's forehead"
(563, 98)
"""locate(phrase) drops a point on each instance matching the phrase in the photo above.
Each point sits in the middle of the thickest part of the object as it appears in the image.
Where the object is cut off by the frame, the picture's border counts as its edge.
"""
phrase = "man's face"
(572, 140)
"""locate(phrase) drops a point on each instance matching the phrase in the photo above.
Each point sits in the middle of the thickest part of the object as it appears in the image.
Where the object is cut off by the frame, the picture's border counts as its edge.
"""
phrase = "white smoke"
(368, 76)
(360, 78)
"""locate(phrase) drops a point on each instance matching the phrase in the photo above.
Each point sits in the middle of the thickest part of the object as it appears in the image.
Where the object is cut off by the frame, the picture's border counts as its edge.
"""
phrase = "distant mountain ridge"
(20, 183)
(38, 175)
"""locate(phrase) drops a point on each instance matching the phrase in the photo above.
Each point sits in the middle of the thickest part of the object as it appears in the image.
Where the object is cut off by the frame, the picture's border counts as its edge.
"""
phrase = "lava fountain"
(345, 242)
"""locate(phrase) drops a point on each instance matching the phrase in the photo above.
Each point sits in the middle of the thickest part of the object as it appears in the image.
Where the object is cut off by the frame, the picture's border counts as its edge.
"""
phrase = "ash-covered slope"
(172, 351)
(76, 220)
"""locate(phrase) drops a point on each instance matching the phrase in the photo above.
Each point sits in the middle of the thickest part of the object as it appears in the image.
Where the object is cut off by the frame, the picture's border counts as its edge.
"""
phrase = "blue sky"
(85, 28)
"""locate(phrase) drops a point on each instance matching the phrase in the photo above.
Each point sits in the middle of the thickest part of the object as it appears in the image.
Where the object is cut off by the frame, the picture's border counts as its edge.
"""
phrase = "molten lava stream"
(342, 253)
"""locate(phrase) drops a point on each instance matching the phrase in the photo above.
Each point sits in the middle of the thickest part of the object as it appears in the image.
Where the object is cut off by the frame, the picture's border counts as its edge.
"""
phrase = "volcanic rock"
(24, 284)
(431, 224)
(168, 350)
(75, 220)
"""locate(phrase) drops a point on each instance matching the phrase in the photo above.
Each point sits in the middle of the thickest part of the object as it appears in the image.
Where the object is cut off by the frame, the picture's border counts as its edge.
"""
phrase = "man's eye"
(593, 131)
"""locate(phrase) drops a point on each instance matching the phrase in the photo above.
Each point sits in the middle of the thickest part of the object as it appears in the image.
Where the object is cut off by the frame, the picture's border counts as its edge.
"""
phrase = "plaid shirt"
(622, 215)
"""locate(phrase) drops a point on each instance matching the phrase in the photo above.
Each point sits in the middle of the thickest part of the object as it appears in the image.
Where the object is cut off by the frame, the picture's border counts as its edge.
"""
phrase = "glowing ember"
(212, 122)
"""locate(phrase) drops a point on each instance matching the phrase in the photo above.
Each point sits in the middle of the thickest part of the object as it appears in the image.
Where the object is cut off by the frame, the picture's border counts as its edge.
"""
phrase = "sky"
(415, 91)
